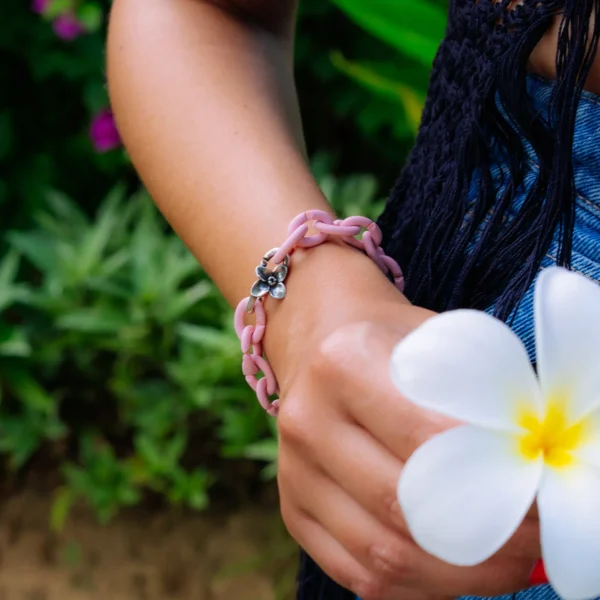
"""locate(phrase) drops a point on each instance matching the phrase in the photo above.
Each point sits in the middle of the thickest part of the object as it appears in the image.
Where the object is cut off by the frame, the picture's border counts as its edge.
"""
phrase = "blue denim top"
(586, 166)
(586, 242)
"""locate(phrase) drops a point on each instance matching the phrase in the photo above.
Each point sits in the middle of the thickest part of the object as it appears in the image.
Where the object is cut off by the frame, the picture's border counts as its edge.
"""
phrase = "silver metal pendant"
(269, 281)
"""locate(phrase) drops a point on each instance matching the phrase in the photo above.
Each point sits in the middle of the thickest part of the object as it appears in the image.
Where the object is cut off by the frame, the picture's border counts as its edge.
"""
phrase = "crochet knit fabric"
(476, 107)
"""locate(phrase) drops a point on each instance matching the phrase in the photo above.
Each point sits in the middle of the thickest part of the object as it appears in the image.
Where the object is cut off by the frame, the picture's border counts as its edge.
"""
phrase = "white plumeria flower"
(466, 491)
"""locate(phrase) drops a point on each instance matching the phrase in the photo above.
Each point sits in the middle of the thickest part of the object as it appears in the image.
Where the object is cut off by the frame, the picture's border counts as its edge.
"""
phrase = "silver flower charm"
(270, 282)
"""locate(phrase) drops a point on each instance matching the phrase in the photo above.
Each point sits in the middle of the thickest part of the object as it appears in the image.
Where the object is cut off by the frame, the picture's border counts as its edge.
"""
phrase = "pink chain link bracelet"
(271, 282)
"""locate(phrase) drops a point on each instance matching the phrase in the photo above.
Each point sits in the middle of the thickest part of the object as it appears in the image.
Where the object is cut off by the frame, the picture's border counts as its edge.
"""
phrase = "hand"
(345, 434)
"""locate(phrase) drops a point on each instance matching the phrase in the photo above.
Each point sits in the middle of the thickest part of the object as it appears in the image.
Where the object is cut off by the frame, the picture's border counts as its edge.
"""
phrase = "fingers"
(525, 543)
(342, 567)
(344, 436)
(365, 390)
(391, 557)
(379, 550)
(533, 512)
(369, 473)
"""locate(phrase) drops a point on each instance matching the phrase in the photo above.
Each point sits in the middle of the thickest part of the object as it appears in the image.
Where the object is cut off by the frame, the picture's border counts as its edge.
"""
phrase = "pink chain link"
(251, 336)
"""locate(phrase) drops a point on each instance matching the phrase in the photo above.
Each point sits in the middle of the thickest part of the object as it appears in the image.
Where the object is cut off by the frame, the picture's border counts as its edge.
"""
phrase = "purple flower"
(39, 6)
(67, 27)
(103, 131)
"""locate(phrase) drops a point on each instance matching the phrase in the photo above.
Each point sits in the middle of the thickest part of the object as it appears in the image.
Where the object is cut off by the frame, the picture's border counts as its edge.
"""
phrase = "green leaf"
(37, 246)
(57, 7)
(94, 320)
(266, 450)
(208, 337)
(8, 268)
(95, 95)
(175, 447)
(161, 455)
(8, 273)
(149, 452)
(13, 341)
(91, 16)
(183, 300)
(412, 101)
(269, 472)
(241, 426)
(18, 439)
(109, 287)
(22, 434)
(98, 238)
(190, 488)
(414, 28)
(24, 386)
(197, 496)
(66, 210)
(115, 262)
(61, 507)
(148, 275)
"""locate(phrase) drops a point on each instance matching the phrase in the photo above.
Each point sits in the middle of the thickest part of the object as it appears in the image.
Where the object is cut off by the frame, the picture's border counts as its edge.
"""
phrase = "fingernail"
(538, 574)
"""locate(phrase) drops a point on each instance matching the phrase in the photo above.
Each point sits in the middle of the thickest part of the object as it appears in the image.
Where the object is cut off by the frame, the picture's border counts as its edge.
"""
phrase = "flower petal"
(263, 273)
(465, 492)
(567, 330)
(469, 366)
(569, 510)
(588, 448)
(259, 289)
(281, 273)
(278, 291)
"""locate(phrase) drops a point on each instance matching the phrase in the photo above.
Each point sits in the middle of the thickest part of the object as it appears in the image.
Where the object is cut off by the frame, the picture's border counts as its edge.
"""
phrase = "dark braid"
(477, 108)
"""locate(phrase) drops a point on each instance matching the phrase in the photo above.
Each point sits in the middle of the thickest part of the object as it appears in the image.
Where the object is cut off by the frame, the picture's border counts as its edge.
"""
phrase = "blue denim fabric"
(541, 592)
(586, 241)
(586, 164)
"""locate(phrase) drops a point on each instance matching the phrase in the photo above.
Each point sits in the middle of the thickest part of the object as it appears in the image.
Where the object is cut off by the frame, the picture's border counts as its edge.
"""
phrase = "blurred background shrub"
(119, 367)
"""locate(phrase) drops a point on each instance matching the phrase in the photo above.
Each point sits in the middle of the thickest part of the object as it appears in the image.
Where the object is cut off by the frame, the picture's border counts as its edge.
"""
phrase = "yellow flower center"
(553, 436)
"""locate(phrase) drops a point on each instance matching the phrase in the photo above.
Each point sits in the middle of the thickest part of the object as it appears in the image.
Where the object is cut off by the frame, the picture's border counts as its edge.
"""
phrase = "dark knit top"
(476, 106)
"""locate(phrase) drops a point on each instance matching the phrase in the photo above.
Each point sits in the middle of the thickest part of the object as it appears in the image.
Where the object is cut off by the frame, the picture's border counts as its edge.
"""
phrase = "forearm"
(206, 105)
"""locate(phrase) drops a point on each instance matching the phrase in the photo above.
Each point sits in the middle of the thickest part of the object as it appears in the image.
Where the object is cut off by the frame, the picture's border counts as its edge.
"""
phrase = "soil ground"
(143, 554)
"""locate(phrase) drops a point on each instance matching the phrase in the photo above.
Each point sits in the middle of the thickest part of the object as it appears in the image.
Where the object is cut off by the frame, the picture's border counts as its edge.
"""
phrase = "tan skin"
(204, 97)
(542, 60)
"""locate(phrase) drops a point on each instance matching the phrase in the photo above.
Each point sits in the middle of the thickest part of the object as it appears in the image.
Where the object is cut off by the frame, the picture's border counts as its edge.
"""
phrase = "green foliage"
(122, 348)
(53, 89)
(413, 31)
(119, 365)
(125, 349)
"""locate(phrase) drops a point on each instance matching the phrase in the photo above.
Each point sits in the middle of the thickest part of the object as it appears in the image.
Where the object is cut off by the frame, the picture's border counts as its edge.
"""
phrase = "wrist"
(333, 286)
(328, 287)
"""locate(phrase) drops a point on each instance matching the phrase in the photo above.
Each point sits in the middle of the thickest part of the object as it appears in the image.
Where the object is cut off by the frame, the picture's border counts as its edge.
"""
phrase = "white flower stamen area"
(525, 438)
(552, 437)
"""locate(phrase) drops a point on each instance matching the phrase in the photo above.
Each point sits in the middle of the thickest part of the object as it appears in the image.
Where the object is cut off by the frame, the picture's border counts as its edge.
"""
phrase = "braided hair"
(477, 108)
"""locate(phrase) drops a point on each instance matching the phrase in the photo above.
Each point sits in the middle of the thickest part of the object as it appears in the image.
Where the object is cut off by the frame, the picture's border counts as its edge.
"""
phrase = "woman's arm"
(204, 96)
(205, 101)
